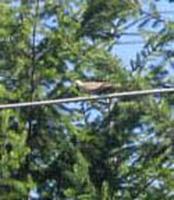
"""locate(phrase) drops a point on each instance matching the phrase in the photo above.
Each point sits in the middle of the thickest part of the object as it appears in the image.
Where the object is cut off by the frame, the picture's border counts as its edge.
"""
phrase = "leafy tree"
(62, 151)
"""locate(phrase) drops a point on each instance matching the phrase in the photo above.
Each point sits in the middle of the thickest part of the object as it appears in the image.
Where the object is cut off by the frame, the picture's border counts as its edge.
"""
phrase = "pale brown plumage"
(95, 86)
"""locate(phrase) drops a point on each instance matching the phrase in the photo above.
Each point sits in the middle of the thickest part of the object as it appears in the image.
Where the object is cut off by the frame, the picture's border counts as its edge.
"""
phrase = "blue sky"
(127, 52)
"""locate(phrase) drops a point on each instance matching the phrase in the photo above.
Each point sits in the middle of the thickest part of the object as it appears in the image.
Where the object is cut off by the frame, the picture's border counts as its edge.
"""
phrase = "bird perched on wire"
(96, 87)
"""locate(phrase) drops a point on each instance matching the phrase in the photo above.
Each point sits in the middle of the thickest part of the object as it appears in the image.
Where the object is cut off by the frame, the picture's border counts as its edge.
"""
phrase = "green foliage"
(58, 150)
(99, 16)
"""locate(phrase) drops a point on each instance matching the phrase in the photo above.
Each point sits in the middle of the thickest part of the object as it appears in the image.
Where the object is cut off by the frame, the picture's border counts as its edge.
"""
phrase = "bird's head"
(78, 83)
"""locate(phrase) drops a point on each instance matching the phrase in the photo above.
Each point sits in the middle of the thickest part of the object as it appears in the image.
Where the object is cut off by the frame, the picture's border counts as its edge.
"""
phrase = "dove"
(95, 87)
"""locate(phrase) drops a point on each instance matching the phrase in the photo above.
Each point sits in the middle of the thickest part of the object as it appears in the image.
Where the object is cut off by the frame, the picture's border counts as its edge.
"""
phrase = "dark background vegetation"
(64, 151)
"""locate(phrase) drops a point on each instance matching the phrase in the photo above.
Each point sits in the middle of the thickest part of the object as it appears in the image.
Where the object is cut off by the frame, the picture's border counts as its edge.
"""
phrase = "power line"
(87, 98)
(131, 33)
(130, 42)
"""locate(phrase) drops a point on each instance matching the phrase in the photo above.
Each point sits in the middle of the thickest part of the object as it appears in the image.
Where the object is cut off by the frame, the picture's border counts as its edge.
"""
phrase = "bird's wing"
(96, 86)
(92, 85)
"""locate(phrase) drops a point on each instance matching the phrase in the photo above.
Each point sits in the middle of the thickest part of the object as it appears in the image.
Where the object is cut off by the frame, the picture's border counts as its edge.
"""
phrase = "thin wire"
(87, 98)
(130, 42)
(130, 33)
(166, 12)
